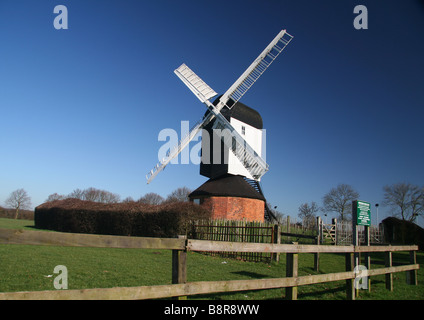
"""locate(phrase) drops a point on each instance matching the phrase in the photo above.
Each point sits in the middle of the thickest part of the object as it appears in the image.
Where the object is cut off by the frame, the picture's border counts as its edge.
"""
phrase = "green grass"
(25, 268)
(16, 224)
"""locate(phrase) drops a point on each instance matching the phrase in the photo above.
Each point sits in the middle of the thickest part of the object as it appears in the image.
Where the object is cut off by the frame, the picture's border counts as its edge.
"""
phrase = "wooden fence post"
(411, 276)
(389, 276)
(356, 241)
(277, 240)
(367, 255)
(292, 263)
(334, 223)
(350, 289)
(288, 228)
(318, 242)
(179, 267)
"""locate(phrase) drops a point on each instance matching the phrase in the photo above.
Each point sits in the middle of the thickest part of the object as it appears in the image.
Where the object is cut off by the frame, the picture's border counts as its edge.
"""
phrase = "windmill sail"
(250, 159)
(203, 92)
(256, 166)
(200, 89)
(255, 70)
(178, 148)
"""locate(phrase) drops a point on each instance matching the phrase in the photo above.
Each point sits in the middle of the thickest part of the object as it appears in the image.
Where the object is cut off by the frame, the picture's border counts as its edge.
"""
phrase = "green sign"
(363, 213)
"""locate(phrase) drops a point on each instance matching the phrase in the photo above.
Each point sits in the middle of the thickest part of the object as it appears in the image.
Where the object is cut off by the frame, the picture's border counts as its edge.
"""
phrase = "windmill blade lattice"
(200, 89)
(249, 158)
(255, 70)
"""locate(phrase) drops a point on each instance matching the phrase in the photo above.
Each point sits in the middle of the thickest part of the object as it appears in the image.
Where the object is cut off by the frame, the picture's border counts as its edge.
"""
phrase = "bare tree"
(92, 194)
(179, 195)
(151, 198)
(307, 212)
(18, 200)
(54, 197)
(95, 195)
(77, 194)
(104, 196)
(406, 200)
(128, 200)
(339, 200)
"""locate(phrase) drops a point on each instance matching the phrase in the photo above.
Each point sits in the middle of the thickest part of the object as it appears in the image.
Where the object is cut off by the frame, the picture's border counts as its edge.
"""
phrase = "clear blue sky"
(83, 107)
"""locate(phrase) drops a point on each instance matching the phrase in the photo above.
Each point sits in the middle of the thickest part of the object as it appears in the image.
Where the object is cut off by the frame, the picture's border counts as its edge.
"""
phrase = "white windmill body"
(234, 164)
(222, 160)
(253, 137)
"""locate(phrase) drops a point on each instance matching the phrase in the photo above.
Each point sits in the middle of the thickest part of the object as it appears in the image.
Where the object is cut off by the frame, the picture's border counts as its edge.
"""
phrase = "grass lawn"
(30, 268)
(17, 224)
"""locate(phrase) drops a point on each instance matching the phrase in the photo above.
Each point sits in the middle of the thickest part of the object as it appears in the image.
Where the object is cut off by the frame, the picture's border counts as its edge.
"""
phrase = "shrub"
(398, 231)
(129, 219)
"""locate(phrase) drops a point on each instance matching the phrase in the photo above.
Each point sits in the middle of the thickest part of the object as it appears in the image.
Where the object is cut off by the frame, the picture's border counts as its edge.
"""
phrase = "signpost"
(363, 213)
(361, 216)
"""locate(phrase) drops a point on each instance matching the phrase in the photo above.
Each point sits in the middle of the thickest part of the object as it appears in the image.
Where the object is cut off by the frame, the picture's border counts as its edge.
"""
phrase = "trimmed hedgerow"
(403, 232)
(129, 219)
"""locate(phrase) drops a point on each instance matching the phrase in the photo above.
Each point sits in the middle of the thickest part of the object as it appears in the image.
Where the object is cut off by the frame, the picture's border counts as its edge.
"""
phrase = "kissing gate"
(340, 233)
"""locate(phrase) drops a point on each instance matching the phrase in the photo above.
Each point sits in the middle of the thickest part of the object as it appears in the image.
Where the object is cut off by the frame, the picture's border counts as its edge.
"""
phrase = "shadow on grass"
(251, 274)
(34, 228)
(319, 294)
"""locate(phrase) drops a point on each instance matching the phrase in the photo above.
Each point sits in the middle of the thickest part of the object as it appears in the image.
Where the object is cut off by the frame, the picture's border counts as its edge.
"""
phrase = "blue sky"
(83, 107)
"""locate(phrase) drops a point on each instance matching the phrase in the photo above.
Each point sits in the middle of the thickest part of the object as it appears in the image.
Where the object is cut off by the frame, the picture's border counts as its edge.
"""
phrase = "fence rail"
(179, 247)
(193, 288)
(10, 236)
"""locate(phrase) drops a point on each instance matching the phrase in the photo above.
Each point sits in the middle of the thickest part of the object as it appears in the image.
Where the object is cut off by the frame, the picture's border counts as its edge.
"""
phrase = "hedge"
(129, 219)
(403, 232)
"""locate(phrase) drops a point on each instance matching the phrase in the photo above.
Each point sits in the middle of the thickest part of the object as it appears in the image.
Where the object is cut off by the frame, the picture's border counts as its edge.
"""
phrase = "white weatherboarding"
(250, 159)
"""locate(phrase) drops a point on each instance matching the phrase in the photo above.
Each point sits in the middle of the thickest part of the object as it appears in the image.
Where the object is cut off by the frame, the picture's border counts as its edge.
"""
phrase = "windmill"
(244, 161)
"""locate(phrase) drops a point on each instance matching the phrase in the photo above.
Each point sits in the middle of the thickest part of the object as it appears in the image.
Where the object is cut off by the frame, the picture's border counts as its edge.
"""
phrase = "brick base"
(235, 208)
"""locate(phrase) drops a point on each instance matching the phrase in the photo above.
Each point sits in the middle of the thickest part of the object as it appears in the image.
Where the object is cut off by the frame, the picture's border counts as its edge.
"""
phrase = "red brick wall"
(233, 208)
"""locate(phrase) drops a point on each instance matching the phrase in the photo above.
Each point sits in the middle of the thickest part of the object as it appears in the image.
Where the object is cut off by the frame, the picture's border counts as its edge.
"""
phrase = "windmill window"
(243, 130)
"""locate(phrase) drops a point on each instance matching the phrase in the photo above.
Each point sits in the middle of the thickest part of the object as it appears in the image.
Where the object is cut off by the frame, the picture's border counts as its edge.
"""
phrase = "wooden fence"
(251, 231)
(236, 231)
(180, 247)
